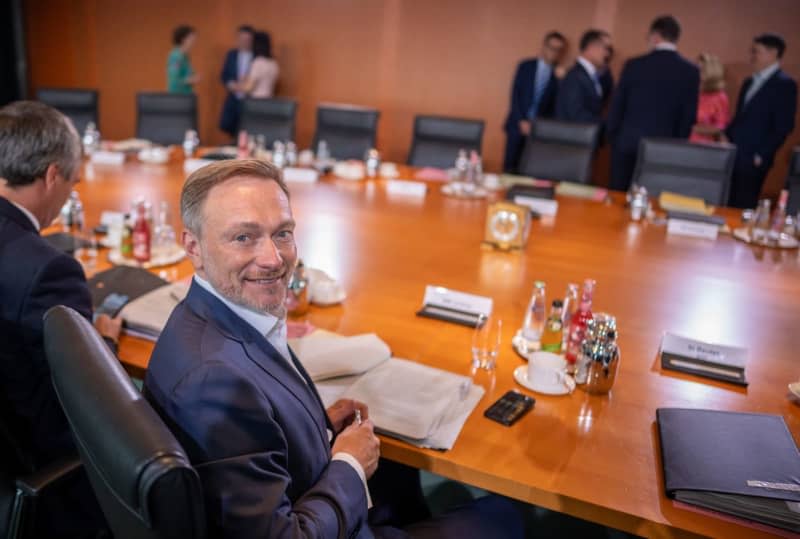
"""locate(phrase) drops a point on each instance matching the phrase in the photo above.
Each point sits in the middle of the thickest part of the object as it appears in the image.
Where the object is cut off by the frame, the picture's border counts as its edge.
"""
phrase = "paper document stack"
(147, 315)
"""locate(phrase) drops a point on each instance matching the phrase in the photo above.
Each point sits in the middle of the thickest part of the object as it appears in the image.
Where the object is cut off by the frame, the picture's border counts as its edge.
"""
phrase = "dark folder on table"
(125, 280)
(743, 464)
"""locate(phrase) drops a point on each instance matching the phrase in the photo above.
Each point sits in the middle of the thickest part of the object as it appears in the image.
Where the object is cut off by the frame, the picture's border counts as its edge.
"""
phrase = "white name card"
(190, 165)
(543, 206)
(460, 301)
(108, 158)
(406, 188)
(300, 175)
(692, 229)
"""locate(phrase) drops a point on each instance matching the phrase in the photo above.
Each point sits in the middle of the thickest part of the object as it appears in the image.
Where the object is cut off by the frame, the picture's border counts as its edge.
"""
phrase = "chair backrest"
(349, 131)
(683, 167)
(79, 105)
(560, 151)
(793, 183)
(437, 140)
(163, 118)
(273, 118)
(140, 474)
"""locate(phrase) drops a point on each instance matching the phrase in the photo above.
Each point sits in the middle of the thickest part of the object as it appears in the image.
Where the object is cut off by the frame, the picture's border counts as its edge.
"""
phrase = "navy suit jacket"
(578, 100)
(522, 95)
(762, 125)
(34, 276)
(656, 96)
(255, 432)
(229, 120)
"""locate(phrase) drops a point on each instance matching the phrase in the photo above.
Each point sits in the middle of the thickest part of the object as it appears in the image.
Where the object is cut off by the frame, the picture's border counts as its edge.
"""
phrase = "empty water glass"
(486, 343)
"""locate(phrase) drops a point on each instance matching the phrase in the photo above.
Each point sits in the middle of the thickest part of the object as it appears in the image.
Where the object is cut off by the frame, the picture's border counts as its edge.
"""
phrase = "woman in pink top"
(260, 81)
(713, 110)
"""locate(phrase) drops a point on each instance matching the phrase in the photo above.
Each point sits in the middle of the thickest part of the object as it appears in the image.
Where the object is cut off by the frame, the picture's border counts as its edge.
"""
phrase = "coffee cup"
(546, 370)
(326, 291)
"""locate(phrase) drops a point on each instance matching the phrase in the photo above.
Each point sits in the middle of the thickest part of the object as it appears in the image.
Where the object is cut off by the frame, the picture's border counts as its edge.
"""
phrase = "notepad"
(325, 355)
(147, 315)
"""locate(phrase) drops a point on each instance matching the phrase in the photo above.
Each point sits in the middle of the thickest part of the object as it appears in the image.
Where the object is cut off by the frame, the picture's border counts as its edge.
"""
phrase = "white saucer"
(521, 376)
(794, 387)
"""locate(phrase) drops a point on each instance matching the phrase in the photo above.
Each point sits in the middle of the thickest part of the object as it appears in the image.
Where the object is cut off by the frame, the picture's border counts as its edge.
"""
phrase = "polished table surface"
(595, 457)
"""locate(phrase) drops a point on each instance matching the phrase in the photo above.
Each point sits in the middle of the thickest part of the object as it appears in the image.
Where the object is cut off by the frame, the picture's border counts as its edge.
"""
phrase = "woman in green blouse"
(180, 75)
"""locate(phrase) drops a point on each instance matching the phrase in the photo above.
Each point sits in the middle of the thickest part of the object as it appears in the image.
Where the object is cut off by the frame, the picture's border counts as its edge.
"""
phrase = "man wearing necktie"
(580, 94)
(764, 118)
(234, 70)
(532, 96)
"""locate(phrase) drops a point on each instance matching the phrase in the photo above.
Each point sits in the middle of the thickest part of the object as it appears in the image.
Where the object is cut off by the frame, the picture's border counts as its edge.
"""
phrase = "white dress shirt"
(592, 71)
(274, 330)
(28, 214)
(243, 59)
(666, 46)
(759, 79)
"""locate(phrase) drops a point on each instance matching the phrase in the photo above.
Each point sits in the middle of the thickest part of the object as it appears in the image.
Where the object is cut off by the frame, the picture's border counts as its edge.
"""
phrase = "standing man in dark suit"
(656, 97)
(234, 70)
(40, 159)
(580, 94)
(272, 460)
(533, 95)
(764, 118)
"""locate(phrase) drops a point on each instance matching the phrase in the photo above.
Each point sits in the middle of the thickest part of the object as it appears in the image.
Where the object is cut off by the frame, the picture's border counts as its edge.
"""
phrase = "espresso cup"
(546, 370)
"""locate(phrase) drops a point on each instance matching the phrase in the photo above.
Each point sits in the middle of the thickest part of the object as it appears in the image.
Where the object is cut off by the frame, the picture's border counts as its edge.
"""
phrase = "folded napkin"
(327, 356)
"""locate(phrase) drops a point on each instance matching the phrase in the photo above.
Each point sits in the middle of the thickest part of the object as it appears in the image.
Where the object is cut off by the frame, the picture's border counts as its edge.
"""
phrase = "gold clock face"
(504, 225)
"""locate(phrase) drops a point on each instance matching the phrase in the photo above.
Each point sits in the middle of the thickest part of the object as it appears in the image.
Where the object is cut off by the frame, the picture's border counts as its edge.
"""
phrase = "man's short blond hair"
(200, 182)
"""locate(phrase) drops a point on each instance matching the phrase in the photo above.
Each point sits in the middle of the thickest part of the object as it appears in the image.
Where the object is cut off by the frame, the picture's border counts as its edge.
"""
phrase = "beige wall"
(405, 57)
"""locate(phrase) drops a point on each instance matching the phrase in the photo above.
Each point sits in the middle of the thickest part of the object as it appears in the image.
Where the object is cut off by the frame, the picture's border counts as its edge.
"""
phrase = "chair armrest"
(35, 483)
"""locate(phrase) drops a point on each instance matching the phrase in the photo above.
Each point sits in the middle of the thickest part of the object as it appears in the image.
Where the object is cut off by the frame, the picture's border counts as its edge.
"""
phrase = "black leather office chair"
(793, 183)
(348, 130)
(163, 118)
(79, 105)
(560, 151)
(273, 118)
(437, 140)
(140, 474)
(679, 166)
(22, 486)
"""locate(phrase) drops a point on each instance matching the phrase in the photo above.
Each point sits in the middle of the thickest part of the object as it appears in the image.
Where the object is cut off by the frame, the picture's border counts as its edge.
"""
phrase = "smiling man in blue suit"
(764, 118)
(272, 461)
(533, 95)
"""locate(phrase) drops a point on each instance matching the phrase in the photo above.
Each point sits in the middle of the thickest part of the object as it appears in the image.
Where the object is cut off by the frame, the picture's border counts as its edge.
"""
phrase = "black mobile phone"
(509, 408)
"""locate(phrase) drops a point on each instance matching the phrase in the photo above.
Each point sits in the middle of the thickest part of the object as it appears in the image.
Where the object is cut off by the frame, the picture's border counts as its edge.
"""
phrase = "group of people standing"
(659, 94)
(249, 70)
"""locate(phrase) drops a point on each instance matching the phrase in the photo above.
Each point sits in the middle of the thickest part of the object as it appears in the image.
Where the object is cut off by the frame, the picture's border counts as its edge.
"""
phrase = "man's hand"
(108, 327)
(525, 127)
(343, 412)
(360, 442)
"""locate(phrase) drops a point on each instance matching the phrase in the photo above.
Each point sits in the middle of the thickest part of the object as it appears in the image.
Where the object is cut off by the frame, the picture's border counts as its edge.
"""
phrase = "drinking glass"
(486, 343)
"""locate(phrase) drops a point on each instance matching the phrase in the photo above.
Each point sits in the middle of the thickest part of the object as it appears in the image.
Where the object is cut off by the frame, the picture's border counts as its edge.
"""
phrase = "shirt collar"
(666, 46)
(767, 72)
(264, 323)
(588, 66)
(28, 214)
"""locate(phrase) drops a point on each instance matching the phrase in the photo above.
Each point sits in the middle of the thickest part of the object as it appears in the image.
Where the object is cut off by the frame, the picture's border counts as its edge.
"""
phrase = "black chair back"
(163, 118)
(79, 105)
(273, 118)
(683, 167)
(793, 183)
(560, 151)
(140, 474)
(438, 139)
(349, 131)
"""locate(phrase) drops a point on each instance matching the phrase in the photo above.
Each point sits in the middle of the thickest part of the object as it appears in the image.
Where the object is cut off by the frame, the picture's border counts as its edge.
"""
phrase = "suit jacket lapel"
(261, 352)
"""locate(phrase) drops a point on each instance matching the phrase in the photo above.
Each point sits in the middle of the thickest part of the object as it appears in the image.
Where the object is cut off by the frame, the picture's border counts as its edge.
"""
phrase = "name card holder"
(692, 229)
(543, 206)
(406, 188)
(452, 306)
(300, 175)
(107, 158)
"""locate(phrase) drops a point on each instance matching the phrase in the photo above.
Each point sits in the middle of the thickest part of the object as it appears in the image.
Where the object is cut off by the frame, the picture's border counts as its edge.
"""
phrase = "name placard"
(543, 206)
(692, 229)
(406, 188)
(300, 175)
(107, 158)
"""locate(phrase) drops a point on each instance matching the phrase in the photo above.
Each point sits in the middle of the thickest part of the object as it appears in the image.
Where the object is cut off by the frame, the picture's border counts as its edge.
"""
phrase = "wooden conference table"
(594, 457)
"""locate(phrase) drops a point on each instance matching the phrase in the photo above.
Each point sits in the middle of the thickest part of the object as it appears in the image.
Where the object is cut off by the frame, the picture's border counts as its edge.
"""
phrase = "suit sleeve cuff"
(351, 460)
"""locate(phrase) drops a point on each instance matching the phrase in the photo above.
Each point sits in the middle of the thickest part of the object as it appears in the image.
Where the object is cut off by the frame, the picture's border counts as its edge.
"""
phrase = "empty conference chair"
(78, 105)
(793, 183)
(679, 166)
(560, 151)
(163, 118)
(140, 474)
(273, 118)
(349, 131)
(437, 140)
